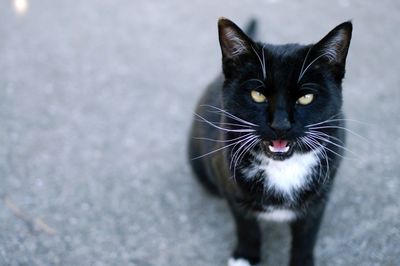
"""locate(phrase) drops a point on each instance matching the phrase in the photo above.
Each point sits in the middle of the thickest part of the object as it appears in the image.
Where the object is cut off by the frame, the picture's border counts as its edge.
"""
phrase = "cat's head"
(283, 89)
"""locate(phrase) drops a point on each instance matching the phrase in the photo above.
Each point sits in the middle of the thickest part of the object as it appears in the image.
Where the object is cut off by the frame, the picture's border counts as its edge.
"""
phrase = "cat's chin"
(278, 154)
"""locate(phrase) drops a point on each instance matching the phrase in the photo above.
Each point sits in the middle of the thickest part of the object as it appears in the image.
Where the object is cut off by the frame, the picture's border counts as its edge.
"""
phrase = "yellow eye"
(306, 99)
(258, 97)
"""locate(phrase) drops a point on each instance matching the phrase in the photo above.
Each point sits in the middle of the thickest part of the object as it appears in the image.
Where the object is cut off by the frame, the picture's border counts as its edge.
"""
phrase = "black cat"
(268, 135)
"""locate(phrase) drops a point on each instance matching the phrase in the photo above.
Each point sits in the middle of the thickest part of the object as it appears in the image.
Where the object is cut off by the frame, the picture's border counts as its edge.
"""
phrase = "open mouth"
(280, 145)
(278, 149)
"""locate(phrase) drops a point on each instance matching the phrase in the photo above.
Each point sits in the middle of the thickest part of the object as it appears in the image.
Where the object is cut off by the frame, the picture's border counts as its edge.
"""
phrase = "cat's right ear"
(233, 41)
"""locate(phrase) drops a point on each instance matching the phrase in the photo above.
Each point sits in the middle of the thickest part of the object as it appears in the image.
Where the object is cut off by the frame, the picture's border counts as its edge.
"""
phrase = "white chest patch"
(285, 176)
(278, 216)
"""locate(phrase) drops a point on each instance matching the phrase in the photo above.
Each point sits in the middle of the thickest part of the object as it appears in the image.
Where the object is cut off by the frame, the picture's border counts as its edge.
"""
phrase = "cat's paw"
(238, 262)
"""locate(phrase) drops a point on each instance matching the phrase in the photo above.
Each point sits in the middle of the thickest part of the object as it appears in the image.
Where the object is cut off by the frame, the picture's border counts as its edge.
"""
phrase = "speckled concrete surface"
(96, 99)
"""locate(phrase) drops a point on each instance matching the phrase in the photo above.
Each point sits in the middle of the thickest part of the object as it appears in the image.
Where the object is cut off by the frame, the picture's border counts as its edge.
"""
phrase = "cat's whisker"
(326, 148)
(262, 62)
(249, 139)
(224, 129)
(233, 161)
(336, 120)
(299, 143)
(323, 135)
(327, 136)
(232, 155)
(211, 152)
(250, 146)
(309, 65)
(339, 127)
(241, 151)
(224, 123)
(221, 148)
(246, 150)
(315, 151)
(227, 115)
(222, 141)
(263, 58)
(230, 115)
(325, 121)
(220, 111)
(304, 62)
(316, 136)
(319, 149)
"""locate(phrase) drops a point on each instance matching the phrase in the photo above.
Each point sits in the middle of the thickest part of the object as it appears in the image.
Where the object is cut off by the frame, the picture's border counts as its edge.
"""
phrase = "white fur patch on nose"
(238, 262)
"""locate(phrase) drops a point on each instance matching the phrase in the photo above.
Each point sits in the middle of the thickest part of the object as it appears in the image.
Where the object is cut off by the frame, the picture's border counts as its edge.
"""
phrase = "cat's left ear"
(335, 45)
(233, 41)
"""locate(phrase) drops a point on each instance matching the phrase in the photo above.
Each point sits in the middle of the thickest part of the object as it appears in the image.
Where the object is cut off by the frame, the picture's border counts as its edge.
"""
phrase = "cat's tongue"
(279, 146)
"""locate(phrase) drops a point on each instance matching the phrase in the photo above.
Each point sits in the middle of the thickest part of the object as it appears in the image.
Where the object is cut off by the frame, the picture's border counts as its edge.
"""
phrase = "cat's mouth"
(278, 149)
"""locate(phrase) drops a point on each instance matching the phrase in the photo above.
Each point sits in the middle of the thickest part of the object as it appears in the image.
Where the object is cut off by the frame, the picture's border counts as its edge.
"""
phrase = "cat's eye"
(305, 99)
(258, 97)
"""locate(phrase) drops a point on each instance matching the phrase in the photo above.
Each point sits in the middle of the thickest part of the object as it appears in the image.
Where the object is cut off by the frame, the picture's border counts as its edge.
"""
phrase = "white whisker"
(330, 118)
(262, 61)
(246, 150)
(326, 148)
(224, 123)
(222, 141)
(320, 149)
(249, 147)
(304, 62)
(224, 147)
(238, 153)
(317, 152)
(249, 139)
(338, 127)
(263, 58)
(327, 136)
(230, 115)
(336, 120)
(309, 65)
(316, 136)
(222, 128)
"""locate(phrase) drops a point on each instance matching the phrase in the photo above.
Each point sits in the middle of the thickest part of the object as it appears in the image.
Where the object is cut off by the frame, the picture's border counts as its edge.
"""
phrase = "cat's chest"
(285, 177)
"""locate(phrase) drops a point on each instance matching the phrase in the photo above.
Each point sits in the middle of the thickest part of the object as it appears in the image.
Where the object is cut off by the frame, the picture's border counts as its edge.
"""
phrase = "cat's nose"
(280, 123)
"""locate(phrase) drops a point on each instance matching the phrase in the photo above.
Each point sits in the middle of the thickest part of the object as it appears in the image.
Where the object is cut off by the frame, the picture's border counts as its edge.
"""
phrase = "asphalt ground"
(96, 99)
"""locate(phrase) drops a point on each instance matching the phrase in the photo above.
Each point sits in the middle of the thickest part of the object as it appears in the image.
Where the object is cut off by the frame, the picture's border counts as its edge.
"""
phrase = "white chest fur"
(287, 176)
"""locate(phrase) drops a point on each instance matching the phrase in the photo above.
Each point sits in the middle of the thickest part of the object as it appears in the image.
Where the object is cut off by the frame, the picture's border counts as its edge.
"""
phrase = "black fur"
(280, 117)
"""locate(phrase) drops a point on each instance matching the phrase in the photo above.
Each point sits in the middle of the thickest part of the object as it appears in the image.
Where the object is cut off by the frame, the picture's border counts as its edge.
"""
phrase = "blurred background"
(96, 99)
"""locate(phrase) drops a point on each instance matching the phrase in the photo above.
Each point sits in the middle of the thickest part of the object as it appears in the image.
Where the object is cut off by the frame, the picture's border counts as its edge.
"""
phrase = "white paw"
(238, 262)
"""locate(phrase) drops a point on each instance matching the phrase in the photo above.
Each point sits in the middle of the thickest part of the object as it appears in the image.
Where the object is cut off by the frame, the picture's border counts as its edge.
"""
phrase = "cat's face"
(283, 89)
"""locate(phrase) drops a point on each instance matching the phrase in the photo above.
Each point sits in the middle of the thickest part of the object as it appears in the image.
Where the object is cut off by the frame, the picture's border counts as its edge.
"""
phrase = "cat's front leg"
(248, 247)
(304, 235)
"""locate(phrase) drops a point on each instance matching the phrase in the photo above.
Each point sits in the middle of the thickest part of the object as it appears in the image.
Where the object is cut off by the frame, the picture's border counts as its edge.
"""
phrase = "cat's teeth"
(273, 149)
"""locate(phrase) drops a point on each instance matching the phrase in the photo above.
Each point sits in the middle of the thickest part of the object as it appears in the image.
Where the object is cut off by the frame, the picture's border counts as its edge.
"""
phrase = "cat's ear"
(233, 41)
(335, 45)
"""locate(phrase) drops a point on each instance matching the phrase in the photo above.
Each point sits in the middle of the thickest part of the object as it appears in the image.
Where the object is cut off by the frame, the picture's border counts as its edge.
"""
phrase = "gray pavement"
(96, 99)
